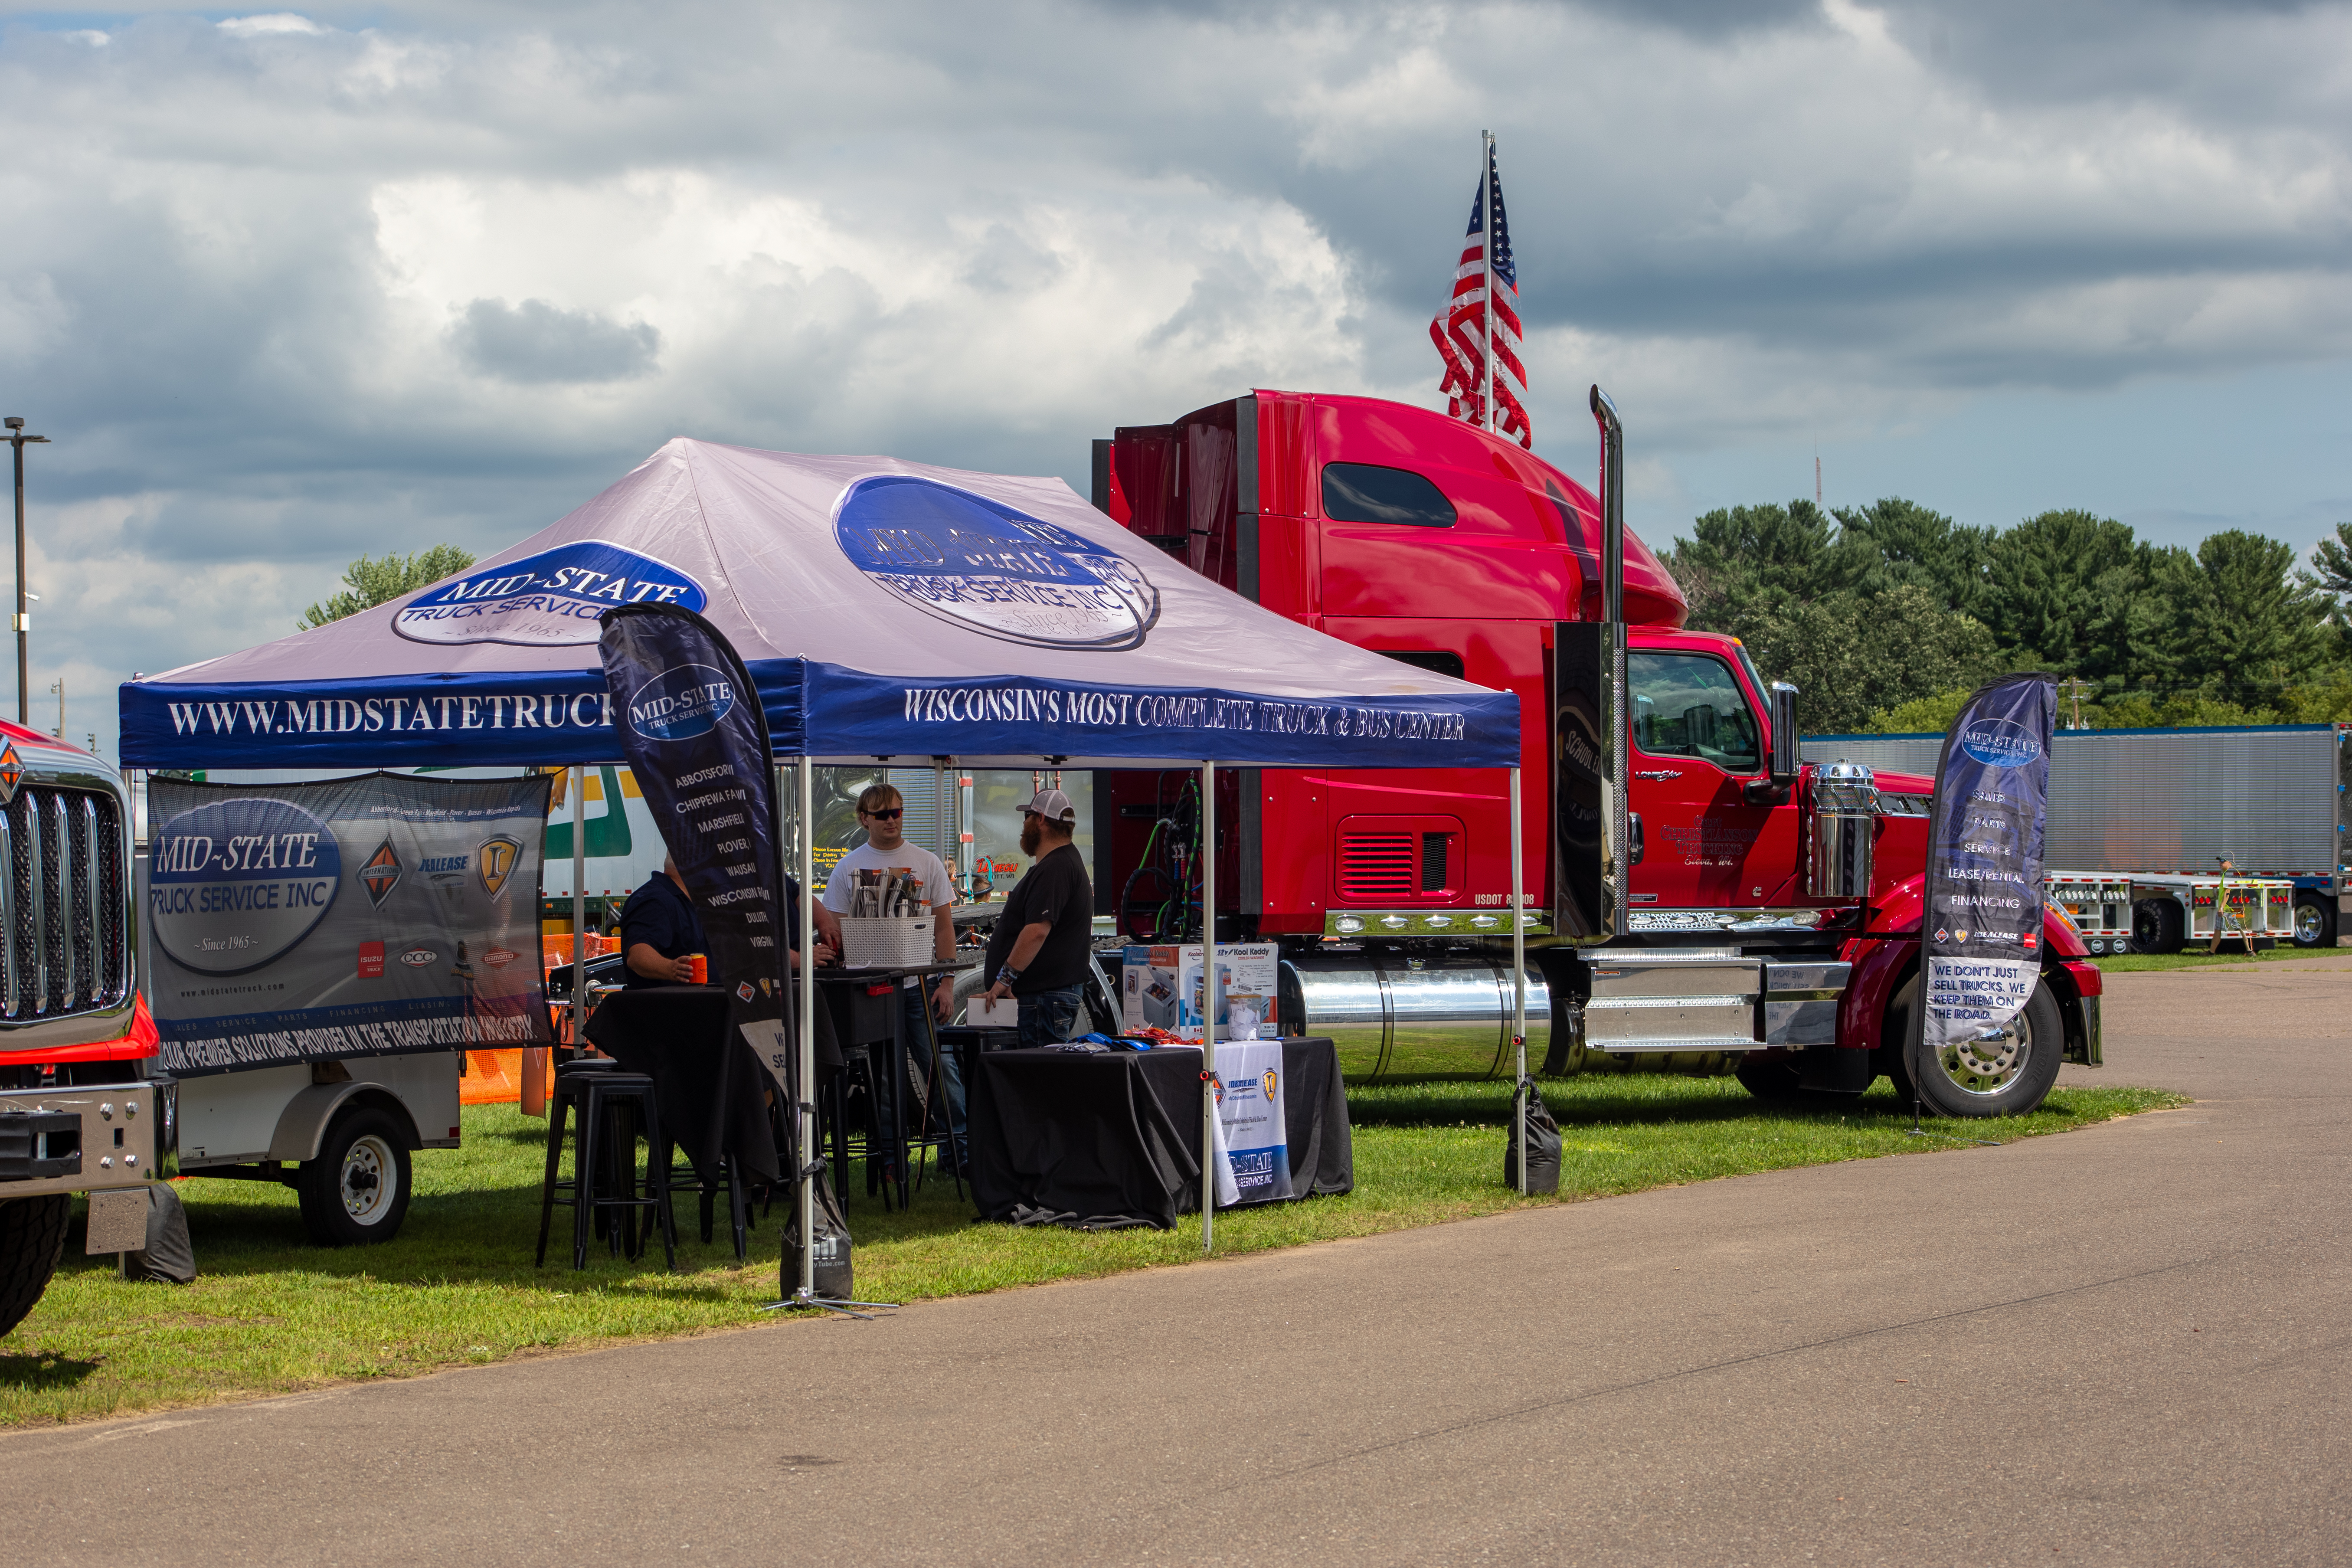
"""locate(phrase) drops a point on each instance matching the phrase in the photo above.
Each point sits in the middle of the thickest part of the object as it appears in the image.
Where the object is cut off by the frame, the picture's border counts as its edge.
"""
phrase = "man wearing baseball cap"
(1038, 952)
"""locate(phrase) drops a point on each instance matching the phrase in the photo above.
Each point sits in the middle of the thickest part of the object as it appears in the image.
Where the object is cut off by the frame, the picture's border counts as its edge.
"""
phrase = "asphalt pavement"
(2127, 1344)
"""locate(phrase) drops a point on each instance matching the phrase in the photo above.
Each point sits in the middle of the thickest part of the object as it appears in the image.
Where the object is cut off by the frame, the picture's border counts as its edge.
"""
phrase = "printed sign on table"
(359, 916)
(1253, 1146)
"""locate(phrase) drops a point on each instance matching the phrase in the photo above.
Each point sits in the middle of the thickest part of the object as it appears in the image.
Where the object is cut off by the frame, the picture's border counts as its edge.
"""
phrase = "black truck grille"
(64, 903)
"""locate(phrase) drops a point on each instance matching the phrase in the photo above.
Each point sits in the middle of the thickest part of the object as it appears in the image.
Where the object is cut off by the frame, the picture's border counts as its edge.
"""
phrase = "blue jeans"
(1047, 1016)
(921, 1042)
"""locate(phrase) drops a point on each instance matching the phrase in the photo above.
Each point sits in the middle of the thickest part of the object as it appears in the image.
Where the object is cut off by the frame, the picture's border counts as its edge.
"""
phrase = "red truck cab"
(1420, 537)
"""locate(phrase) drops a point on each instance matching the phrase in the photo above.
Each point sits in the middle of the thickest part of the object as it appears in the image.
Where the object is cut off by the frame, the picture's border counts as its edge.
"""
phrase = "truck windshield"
(1689, 705)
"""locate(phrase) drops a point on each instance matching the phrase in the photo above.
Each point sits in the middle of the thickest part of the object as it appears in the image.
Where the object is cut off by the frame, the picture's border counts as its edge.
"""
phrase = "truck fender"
(304, 1121)
(1883, 961)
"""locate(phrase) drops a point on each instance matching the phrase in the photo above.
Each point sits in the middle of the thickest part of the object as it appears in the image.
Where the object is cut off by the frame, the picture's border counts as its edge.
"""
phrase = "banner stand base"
(826, 1303)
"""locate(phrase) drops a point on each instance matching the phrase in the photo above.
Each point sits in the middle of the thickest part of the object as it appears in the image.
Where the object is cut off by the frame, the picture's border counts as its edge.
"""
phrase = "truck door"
(1696, 742)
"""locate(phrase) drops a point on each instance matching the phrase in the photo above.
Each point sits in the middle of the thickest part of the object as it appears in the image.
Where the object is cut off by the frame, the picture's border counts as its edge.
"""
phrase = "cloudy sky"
(285, 288)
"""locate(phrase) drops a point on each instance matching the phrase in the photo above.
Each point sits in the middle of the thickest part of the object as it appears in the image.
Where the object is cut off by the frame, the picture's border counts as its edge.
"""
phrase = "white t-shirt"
(937, 890)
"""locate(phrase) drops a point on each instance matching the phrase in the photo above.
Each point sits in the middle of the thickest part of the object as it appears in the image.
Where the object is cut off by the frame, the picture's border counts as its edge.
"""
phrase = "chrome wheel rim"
(370, 1174)
(1993, 1060)
(2306, 924)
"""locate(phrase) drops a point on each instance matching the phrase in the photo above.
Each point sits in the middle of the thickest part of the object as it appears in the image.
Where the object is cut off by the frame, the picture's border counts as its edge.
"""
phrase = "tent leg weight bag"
(1543, 1148)
(836, 1275)
(170, 1256)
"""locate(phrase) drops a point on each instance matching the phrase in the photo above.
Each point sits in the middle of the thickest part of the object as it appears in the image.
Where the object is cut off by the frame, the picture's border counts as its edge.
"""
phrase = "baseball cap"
(1052, 806)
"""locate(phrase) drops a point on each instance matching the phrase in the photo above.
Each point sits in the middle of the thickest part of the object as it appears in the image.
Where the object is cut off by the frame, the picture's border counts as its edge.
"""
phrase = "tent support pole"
(580, 904)
(1518, 983)
(1208, 1004)
(804, 1020)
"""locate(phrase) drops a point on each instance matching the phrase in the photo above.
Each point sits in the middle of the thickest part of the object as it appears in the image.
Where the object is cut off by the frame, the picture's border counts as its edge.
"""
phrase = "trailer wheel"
(31, 1239)
(2315, 922)
(356, 1192)
(2004, 1072)
(2156, 926)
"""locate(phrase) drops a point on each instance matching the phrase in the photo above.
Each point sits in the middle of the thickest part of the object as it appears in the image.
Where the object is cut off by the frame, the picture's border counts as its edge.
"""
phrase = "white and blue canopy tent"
(885, 610)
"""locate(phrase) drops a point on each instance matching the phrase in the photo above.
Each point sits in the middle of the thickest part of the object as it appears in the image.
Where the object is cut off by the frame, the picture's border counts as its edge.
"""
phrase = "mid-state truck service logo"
(681, 703)
(2000, 743)
(236, 883)
(548, 600)
(988, 567)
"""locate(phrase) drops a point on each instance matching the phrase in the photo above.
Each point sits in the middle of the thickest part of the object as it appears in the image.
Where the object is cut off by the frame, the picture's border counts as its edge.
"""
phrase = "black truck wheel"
(356, 1192)
(2315, 920)
(2004, 1072)
(31, 1239)
(1771, 1078)
(2156, 926)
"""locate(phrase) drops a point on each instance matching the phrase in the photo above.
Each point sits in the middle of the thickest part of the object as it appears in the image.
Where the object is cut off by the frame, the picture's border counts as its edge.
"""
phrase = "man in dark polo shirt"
(659, 929)
(1038, 952)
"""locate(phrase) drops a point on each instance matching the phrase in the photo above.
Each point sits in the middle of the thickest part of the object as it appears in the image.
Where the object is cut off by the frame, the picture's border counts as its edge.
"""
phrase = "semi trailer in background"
(1698, 896)
(2141, 822)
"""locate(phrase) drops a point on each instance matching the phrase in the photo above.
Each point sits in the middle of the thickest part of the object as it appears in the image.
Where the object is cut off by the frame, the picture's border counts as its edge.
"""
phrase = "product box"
(1160, 988)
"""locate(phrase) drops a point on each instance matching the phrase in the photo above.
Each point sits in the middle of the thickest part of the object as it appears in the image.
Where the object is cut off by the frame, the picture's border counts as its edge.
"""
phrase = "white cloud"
(262, 26)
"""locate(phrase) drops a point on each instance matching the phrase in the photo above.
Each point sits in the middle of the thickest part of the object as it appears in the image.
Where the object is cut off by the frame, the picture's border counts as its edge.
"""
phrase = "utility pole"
(59, 686)
(2074, 686)
(17, 438)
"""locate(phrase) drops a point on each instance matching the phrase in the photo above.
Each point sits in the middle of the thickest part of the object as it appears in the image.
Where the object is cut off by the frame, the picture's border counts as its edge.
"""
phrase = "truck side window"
(1364, 492)
(1425, 658)
(1690, 705)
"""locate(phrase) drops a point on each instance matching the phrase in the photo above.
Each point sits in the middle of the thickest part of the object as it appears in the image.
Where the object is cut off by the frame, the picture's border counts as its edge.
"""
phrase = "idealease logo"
(2000, 743)
(981, 564)
(681, 703)
(548, 600)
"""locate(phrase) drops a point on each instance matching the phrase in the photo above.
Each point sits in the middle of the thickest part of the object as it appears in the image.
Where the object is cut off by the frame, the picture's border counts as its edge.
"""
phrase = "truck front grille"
(63, 903)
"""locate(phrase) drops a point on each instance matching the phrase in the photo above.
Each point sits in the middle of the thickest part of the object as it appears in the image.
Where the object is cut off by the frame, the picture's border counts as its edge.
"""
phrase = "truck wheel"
(2156, 926)
(2315, 922)
(2007, 1073)
(31, 1239)
(356, 1191)
(1772, 1078)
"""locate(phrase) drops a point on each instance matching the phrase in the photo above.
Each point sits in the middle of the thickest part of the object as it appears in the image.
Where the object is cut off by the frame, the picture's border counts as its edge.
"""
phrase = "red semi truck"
(1768, 910)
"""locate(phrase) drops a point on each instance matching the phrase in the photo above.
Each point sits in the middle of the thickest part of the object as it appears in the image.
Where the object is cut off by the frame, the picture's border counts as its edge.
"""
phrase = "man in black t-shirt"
(1038, 952)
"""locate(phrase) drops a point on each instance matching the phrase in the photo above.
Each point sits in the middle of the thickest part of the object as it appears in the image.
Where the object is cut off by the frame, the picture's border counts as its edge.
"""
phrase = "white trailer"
(2154, 813)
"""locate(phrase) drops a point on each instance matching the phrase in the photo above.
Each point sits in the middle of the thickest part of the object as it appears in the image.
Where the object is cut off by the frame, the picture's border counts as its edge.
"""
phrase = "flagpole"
(1487, 247)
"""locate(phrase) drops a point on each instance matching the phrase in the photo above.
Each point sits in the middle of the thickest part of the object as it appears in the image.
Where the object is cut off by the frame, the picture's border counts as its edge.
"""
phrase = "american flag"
(1460, 329)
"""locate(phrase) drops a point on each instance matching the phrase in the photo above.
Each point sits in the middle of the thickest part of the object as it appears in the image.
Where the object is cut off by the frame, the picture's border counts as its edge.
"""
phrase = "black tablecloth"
(1118, 1134)
(707, 1082)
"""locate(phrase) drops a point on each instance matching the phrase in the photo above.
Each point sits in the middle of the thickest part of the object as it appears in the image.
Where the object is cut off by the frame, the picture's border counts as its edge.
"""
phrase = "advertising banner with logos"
(358, 917)
(1252, 1141)
(700, 752)
(880, 608)
(1982, 930)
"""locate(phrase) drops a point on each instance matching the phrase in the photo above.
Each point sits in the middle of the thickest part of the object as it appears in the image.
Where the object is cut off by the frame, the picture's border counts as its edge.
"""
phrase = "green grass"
(2129, 963)
(271, 1314)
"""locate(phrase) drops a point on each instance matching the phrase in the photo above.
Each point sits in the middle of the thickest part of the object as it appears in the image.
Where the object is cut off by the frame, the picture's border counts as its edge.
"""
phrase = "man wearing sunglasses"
(882, 814)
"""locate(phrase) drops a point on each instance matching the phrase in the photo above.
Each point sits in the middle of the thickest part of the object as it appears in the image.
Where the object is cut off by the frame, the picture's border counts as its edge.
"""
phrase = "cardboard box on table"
(1159, 987)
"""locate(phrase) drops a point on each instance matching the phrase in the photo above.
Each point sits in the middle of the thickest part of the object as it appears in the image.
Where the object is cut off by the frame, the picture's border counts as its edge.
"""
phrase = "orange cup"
(701, 968)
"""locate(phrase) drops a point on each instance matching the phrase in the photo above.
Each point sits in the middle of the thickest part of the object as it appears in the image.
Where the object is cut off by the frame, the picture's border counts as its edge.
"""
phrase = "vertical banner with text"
(359, 916)
(690, 723)
(1981, 928)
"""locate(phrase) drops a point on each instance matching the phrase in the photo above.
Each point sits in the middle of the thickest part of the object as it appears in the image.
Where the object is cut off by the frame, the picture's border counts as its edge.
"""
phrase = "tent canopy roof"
(885, 608)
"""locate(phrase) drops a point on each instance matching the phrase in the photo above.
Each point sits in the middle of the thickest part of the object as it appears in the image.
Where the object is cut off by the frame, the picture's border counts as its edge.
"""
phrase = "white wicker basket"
(886, 942)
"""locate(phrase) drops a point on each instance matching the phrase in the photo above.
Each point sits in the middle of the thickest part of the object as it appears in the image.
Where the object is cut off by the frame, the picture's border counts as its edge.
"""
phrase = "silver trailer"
(2163, 809)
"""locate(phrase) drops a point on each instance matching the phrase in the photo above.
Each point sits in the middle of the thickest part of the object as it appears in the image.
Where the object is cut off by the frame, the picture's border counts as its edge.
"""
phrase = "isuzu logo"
(985, 566)
(548, 600)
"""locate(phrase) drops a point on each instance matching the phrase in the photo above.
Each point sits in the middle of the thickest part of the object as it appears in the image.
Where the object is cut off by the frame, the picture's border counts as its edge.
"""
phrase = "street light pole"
(17, 438)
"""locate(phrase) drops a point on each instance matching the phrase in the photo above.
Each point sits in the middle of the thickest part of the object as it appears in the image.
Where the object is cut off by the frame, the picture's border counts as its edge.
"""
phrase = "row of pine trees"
(1886, 617)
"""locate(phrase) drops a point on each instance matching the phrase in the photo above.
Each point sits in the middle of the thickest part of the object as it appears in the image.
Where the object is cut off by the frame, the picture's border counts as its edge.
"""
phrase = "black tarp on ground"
(1111, 1136)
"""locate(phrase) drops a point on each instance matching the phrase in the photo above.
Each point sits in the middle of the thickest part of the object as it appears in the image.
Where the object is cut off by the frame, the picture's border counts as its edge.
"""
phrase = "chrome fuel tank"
(1393, 1018)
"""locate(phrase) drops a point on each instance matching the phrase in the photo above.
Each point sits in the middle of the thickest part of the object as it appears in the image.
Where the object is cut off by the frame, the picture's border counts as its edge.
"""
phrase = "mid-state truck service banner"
(359, 916)
(1982, 926)
(699, 745)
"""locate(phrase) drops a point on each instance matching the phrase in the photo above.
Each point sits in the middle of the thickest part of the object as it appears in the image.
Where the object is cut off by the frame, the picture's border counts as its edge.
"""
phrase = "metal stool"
(604, 1159)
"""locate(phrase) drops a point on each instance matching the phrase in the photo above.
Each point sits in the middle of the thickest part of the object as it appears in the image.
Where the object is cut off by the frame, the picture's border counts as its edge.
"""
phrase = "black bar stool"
(604, 1159)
